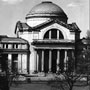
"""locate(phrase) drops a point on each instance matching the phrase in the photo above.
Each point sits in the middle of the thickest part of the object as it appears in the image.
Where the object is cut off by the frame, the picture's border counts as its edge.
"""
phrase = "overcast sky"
(12, 11)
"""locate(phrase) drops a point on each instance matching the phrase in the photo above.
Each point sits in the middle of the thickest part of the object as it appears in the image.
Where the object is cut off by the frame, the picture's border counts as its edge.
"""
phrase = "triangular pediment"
(72, 27)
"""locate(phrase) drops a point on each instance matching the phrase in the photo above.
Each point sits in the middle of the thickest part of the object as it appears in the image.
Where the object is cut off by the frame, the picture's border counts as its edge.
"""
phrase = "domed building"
(45, 11)
(50, 37)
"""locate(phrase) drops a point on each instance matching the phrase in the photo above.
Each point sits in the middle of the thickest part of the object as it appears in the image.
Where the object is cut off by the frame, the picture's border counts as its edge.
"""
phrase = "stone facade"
(50, 37)
(14, 54)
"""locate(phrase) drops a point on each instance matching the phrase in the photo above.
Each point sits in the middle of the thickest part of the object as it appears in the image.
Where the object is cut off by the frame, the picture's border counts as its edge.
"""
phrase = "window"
(46, 36)
(53, 34)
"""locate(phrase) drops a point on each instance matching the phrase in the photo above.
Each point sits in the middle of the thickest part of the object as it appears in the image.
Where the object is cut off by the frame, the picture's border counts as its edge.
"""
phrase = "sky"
(12, 11)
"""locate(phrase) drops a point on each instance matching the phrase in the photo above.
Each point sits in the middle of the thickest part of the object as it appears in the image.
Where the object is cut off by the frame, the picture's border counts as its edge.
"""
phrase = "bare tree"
(68, 79)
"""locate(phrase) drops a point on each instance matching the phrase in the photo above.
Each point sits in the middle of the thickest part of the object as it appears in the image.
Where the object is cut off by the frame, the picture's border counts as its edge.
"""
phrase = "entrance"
(54, 58)
(14, 62)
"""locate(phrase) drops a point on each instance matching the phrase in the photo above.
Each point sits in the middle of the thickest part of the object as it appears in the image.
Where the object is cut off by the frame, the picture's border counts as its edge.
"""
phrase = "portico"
(51, 59)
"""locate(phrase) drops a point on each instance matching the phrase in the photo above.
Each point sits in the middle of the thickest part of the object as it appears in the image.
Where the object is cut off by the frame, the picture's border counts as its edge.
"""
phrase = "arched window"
(53, 34)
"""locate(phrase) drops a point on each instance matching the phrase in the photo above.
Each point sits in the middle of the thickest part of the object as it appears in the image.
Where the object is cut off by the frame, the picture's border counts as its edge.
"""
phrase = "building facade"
(14, 54)
(50, 37)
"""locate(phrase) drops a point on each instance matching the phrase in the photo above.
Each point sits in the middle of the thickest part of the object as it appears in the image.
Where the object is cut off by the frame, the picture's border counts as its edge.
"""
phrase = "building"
(14, 52)
(50, 37)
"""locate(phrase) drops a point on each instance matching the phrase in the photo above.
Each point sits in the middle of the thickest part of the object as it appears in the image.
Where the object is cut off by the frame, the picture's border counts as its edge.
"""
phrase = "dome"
(46, 8)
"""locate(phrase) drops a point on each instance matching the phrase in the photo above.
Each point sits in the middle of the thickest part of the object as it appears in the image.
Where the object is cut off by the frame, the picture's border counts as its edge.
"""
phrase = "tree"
(4, 83)
(88, 34)
(68, 79)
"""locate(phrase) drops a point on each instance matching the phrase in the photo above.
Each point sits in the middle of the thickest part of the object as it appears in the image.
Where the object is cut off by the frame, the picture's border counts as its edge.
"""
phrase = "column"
(50, 34)
(19, 63)
(65, 61)
(50, 60)
(73, 58)
(24, 63)
(58, 60)
(35, 61)
(10, 62)
(57, 34)
(72, 53)
(42, 60)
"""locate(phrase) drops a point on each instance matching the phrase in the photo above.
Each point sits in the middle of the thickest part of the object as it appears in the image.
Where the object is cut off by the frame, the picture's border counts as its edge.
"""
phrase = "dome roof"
(46, 8)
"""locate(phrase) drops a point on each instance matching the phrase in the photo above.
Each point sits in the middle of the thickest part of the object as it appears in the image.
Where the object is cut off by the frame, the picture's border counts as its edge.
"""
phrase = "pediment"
(72, 27)
(24, 27)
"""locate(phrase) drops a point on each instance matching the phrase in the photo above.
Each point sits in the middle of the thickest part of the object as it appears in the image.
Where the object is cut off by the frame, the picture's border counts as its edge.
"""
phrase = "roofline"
(45, 16)
(17, 39)
(50, 22)
(73, 27)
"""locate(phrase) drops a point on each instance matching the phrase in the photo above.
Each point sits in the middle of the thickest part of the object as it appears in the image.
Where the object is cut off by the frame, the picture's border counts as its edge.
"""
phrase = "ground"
(42, 86)
(41, 83)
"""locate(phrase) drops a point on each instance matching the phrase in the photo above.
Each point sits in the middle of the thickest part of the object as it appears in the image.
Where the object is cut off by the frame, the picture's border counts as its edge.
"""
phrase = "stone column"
(19, 63)
(35, 61)
(58, 60)
(73, 58)
(42, 61)
(65, 61)
(10, 62)
(24, 63)
(72, 53)
(50, 61)
(50, 34)
(57, 34)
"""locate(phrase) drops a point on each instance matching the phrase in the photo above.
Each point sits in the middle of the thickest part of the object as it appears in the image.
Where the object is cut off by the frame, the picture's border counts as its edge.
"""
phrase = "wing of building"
(15, 53)
(50, 37)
